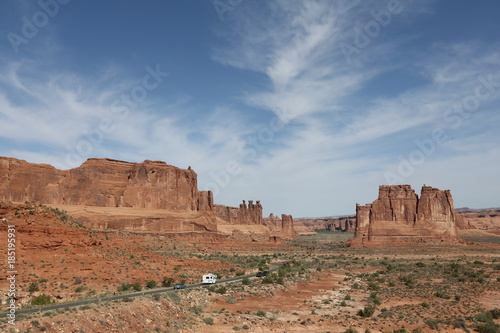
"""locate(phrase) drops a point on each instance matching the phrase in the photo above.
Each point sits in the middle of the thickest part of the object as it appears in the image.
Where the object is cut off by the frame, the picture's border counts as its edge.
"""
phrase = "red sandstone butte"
(152, 195)
(399, 215)
(103, 183)
(248, 219)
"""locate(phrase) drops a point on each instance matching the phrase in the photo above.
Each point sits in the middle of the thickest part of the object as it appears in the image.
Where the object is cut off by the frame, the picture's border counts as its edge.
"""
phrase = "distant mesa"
(399, 215)
(249, 217)
(151, 196)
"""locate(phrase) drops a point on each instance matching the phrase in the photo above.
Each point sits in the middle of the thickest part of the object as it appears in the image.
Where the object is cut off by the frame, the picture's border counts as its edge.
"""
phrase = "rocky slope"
(399, 215)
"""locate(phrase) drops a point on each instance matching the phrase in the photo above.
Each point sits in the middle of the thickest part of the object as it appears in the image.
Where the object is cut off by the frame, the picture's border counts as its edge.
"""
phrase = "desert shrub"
(408, 280)
(246, 281)
(208, 320)
(386, 314)
(33, 287)
(495, 313)
(261, 313)
(489, 327)
(273, 279)
(124, 287)
(347, 297)
(136, 286)
(460, 323)
(79, 289)
(167, 282)
(425, 305)
(41, 300)
(197, 309)
(434, 323)
(441, 294)
(373, 286)
(350, 330)
(222, 290)
(368, 311)
(151, 284)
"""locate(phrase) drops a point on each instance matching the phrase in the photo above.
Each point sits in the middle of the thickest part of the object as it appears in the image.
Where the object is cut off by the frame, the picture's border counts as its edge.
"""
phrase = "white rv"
(209, 278)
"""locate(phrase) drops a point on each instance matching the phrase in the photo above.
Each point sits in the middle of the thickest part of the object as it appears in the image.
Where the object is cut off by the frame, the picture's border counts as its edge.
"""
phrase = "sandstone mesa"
(399, 215)
(151, 196)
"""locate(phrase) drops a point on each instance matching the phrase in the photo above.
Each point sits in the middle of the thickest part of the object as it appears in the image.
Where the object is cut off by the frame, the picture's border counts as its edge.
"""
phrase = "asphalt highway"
(120, 297)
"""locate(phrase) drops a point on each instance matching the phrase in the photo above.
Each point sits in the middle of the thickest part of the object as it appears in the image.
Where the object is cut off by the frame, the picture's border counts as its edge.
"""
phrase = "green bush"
(489, 327)
(222, 290)
(246, 281)
(41, 300)
(261, 313)
(136, 286)
(208, 320)
(79, 289)
(368, 311)
(167, 282)
(151, 284)
(124, 287)
(33, 287)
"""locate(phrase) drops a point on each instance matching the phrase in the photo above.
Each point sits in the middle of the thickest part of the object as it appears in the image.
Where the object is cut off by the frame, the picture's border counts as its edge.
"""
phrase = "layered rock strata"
(104, 183)
(399, 215)
(248, 218)
(152, 195)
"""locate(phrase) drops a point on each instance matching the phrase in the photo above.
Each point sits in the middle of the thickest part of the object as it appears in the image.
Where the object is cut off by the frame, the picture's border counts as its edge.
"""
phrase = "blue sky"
(307, 106)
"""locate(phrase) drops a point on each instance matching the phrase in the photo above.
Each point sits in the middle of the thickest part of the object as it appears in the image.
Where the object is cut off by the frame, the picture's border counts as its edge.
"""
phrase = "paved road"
(118, 297)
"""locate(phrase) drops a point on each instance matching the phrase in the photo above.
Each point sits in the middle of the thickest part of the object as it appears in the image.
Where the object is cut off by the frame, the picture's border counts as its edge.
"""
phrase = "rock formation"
(399, 215)
(104, 183)
(165, 198)
(343, 223)
(283, 228)
(244, 214)
(251, 215)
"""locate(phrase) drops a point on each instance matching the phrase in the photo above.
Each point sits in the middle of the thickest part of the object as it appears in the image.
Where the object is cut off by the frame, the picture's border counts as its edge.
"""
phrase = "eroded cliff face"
(244, 214)
(399, 215)
(151, 196)
(104, 183)
(345, 223)
(247, 218)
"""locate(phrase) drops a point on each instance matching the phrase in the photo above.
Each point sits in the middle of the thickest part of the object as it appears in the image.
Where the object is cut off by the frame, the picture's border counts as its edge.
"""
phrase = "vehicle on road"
(209, 279)
(261, 274)
(180, 286)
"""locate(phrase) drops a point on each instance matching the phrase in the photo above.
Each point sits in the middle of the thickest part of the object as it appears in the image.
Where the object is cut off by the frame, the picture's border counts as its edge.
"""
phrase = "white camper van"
(209, 278)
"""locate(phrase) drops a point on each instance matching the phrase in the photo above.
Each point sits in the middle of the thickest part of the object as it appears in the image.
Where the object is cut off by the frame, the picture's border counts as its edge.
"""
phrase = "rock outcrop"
(104, 183)
(283, 228)
(343, 223)
(399, 215)
(162, 197)
(245, 216)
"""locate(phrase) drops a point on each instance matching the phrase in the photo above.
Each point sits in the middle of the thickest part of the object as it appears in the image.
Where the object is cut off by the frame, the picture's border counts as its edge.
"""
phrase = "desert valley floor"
(324, 286)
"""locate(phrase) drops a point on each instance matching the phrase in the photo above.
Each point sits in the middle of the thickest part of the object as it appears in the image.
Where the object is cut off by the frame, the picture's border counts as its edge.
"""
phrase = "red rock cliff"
(105, 183)
(244, 214)
(399, 215)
